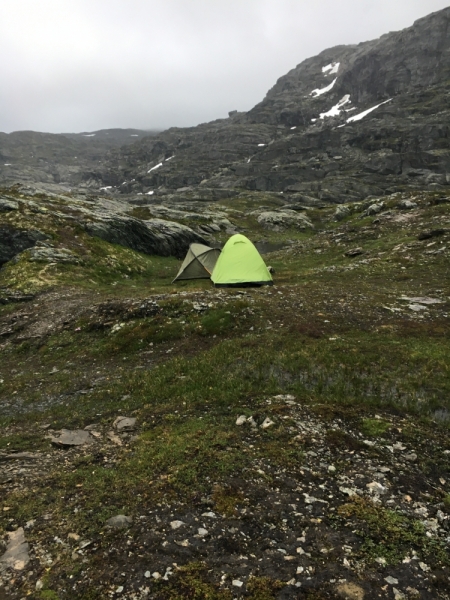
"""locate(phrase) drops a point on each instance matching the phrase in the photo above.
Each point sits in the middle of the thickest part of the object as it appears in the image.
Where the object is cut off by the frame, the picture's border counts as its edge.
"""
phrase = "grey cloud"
(83, 65)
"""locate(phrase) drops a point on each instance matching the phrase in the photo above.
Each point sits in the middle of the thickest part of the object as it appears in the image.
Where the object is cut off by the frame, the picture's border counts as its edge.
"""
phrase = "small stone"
(176, 524)
(156, 575)
(210, 514)
(241, 420)
(119, 590)
(411, 457)
(147, 574)
(380, 560)
(300, 570)
(267, 423)
(398, 595)
(425, 568)
(73, 536)
(331, 469)
(119, 522)
(291, 581)
(391, 580)
(202, 532)
(39, 585)
(237, 583)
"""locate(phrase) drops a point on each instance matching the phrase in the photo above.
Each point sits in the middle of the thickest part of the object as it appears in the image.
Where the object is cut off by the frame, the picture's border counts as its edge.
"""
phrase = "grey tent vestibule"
(199, 262)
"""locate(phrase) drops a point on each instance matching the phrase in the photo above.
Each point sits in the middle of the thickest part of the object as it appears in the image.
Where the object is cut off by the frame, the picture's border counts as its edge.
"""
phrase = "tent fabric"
(240, 264)
(198, 263)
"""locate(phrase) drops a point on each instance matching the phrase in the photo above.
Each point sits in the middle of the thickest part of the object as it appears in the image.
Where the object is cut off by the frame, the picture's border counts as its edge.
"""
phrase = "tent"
(240, 265)
(198, 263)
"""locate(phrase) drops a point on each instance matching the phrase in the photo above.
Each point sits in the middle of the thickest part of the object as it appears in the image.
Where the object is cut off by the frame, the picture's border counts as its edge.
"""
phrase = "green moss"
(374, 427)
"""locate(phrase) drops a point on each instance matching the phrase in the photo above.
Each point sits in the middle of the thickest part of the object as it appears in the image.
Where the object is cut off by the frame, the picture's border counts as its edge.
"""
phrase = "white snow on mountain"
(331, 69)
(155, 167)
(360, 116)
(170, 158)
(88, 134)
(324, 90)
(336, 109)
(150, 193)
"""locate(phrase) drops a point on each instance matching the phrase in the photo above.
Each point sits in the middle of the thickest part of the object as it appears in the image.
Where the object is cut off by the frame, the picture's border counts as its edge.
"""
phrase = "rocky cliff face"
(62, 160)
(355, 121)
(351, 122)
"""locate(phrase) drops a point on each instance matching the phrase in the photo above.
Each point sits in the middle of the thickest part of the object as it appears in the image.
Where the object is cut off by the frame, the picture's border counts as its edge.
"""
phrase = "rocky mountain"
(354, 121)
(61, 160)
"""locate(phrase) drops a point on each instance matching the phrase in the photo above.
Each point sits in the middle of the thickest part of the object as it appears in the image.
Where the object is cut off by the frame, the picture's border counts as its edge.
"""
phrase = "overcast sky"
(82, 65)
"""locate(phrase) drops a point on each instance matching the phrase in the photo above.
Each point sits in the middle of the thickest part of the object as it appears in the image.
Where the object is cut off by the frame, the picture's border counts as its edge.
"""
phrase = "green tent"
(240, 264)
(199, 262)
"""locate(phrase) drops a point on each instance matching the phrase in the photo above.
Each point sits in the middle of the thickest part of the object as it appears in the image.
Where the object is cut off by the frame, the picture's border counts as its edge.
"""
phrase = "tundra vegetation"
(335, 482)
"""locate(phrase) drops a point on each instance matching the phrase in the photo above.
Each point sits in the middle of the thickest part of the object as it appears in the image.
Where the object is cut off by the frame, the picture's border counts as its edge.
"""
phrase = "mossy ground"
(335, 332)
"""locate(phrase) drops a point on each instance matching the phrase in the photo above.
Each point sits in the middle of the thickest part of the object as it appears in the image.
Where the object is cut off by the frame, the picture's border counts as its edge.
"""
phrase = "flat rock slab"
(21, 456)
(16, 555)
(125, 424)
(119, 522)
(422, 300)
(78, 437)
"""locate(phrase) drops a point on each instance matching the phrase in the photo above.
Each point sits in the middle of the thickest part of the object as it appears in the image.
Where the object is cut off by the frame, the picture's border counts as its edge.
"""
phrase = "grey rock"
(16, 556)
(280, 220)
(374, 209)
(341, 213)
(122, 424)
(7, 204)
(56, 255)
(407, 204)
(155, 236)
(119, 522)
(354, 252)
(14, 240)
(77, 437)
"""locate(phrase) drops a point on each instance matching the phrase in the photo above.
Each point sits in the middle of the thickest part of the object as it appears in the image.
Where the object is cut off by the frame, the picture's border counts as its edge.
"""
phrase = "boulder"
(7, 204)
(155, 236)
(341, 212)
(280, 220)
(14, 240)
(55, 255)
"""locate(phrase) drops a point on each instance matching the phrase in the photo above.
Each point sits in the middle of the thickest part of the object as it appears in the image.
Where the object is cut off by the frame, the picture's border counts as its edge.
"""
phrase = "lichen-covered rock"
(279, 220)
(341, 213)
(7, 204)
(14, 240)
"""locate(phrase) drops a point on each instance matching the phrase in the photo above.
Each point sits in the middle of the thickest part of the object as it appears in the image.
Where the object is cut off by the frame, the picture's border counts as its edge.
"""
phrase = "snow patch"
(331, 69)
(324, 90)
(335, 111)
(294, 127)
(7, 165)
(88, 134)
(107, 187)
(134, 135)
(170, 158)
(150, 193)
(366, 112)
(155, 167)
(261, 144)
